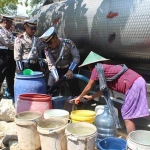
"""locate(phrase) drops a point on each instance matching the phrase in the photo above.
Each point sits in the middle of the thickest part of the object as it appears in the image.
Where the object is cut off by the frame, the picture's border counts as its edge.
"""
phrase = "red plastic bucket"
(33, 102)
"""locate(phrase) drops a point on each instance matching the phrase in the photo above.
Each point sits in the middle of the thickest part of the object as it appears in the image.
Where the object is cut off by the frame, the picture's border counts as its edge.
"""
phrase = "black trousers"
(7, 69)
(73, 83)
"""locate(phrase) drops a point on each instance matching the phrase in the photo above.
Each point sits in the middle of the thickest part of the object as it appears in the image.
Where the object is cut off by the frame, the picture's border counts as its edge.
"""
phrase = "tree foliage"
(36, 3)
(9, 9)
(5, 3)
(10, 6)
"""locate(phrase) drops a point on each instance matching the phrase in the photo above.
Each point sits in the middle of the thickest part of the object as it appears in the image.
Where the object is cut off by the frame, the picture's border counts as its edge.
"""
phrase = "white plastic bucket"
(52, 133)
(99, 109)
(139, 140)
(28, 137)
(56, 113)
(81, 136)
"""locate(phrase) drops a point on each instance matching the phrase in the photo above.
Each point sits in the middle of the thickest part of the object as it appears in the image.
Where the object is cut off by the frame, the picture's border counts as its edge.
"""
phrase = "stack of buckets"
(55, 132)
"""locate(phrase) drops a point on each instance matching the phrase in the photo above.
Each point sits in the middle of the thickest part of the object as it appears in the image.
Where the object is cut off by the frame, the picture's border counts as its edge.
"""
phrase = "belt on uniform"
(62, 67)
(30, 61)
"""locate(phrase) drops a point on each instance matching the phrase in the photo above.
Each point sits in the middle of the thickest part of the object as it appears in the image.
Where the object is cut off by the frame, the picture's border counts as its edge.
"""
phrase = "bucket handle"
(25, 122)
(34, 121)
(62, 139)
(52, 131)
(74, 139)
(69, 121)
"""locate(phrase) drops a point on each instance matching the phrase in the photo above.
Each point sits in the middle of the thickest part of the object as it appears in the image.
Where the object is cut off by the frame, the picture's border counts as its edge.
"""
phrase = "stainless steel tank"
(115, 29)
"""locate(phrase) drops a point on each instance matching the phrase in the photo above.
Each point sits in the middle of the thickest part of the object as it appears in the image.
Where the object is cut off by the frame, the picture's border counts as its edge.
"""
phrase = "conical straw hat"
(92, 58)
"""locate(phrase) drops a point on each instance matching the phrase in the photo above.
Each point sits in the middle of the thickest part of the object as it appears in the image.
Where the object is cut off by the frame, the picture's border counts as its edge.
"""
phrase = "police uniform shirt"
(70, 54)
(23, 46)
(7, 38)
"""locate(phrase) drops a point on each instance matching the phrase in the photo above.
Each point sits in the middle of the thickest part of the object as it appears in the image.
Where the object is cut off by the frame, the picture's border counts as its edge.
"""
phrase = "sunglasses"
(32, 27)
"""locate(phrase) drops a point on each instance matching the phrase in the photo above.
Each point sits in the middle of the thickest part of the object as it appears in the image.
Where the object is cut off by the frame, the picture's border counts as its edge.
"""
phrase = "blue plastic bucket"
(112, 143)
(29, 84)
(58, 102)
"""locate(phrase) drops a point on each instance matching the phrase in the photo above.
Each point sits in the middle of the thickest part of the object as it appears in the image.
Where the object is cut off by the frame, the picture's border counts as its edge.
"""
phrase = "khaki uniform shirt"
(70, 54)
(6, 38)
(23, 46)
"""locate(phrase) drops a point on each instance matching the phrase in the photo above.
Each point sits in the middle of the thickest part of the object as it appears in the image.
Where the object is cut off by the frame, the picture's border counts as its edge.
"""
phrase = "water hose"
(63, 79)
(81, 77)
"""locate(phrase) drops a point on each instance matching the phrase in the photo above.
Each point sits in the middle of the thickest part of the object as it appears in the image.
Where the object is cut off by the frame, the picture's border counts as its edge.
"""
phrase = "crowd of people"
(25, 52)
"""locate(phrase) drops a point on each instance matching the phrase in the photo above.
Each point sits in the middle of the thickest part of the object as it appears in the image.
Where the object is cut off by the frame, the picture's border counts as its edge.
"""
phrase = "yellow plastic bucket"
(83, 116)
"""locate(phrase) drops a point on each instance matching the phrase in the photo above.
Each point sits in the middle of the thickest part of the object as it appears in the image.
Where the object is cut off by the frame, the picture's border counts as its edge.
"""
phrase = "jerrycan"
(105, 125)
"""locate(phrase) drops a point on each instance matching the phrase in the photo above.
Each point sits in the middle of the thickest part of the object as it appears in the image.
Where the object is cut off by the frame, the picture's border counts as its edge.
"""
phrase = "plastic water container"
(33, 102)
(139, 140)
(26, 126)
(112, 143)
(52, 133)
(105, 124)
(99, 109)
(56, 113)
(58, 102)
(29, 84)
(81, 136)
(83, 116)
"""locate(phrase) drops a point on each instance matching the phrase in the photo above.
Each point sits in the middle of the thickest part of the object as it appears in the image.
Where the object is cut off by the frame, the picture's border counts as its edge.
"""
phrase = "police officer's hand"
(41, 69)
(18, 71)
(69, 74)
(56, 79)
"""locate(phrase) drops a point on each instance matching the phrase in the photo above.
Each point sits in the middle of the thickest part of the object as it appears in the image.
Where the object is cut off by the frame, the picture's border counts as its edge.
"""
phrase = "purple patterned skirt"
(135, 104)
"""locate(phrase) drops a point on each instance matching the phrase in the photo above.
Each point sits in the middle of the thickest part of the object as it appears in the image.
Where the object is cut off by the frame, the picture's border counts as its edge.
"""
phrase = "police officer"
(27, 48)
(7, 63)
(62, 56)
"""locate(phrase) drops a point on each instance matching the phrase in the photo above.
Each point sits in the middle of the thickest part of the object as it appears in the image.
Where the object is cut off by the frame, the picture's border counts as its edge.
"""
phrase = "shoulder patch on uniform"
(46, 52)
(68, 41)
(2, 31)
(20, 36)
(17, 40)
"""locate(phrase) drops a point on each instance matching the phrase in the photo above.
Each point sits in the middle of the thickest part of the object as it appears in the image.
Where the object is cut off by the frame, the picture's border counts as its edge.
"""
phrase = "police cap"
(10, 18)
(48, 35)
(30, 22)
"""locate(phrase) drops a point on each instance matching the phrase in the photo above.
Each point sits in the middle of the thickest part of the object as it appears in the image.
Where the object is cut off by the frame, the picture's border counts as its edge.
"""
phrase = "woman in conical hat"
(92, 58)
(129, 83)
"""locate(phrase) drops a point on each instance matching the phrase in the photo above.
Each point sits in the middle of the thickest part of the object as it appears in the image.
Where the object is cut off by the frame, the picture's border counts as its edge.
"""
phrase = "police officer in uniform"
(28, 48)
(62, 56)
(7, 63)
